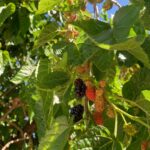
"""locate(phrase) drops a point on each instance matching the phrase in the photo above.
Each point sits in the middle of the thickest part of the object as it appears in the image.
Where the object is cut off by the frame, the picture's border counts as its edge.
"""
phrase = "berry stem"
(135, 118)
(131, 103)
(86, 111)
(123, 118)
(116, 124)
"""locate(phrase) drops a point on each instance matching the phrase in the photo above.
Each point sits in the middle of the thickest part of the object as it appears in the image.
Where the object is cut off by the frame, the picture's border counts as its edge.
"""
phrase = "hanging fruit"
(130, 129)
(110, 112)
(99, 101)
(107, 5)
(80, 88)
(98, 118)
(77, 112)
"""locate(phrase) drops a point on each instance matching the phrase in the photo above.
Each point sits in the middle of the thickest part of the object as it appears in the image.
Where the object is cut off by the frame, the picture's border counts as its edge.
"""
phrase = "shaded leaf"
(92, 26)
(103, 60)
(47, 79)
(138, 82)
(46, 35)
(53, 79)
(43, 111)
(123, 20)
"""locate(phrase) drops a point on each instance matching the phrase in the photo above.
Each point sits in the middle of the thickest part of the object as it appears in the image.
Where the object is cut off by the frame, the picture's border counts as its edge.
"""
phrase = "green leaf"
(146, 46)
(29, 5)
(43, 107)
(138, 82)
(53, 79)
(73, 54)
(57, 136)
(131, 45)
(46, 35)
(6, 12)
(143, 103)
(140, 54)
(99, 75)
(103, 60)
(105, 40)
(92, 26)
(24, 22)
(43, 68)
(146, 94)
(87, 50)
(24, 73)
(146, 16)
(47, 79)
(124, 19)
(46, 5)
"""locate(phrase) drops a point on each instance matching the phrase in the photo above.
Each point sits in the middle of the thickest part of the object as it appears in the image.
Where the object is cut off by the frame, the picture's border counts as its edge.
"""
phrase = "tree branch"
(9, 111)
(116, 3)
(16, 126)
(7, 145)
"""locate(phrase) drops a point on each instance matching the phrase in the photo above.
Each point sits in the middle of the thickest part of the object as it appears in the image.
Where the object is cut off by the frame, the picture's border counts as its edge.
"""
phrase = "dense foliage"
(74, 80)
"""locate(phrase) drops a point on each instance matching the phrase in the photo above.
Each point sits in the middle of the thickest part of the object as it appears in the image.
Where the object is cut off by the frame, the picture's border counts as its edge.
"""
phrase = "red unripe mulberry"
(90, 93)
(98, 118)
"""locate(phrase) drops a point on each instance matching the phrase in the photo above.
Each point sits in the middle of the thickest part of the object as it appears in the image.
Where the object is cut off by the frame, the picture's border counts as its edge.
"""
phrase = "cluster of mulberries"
(80, 88)
(77, 112)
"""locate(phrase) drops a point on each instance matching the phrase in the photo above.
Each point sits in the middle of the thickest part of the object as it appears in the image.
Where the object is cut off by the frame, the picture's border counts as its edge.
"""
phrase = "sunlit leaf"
(46, 5)
(6, 11)
(57, 136)
(24, 73)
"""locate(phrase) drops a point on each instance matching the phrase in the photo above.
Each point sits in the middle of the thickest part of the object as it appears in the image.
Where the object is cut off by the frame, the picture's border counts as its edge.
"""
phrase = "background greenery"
(40, 49)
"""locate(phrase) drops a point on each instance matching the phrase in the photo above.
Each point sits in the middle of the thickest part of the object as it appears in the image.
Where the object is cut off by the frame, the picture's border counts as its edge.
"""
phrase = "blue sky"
(111, 11)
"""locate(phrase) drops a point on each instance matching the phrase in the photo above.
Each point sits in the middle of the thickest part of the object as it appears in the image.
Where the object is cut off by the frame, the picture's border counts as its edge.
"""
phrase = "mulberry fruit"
(98, 118)
(90, 94)
(77, 112)
(80, 88)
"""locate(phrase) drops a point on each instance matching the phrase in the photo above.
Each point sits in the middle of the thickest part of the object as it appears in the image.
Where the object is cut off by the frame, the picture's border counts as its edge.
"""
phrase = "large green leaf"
(73, 54)
(43, 110)
(144, 100)
(24, 73)
(53, 79)
(46, 35)
(138, 82)
(140, 54)
(124, 19)
(57, 137)
(146, 46)
(6, 12)
(24, 22)
(103, 60)
(132, 46)
(48, 79)
(102, 37)
(46, 5)
(88, 140)
(146, 16)
(92, 26)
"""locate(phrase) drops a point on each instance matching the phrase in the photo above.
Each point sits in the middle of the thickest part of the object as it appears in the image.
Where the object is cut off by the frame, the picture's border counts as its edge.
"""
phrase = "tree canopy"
(71, 80)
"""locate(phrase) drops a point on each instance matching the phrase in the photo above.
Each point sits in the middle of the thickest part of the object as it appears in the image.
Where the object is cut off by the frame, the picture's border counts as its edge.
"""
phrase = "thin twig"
(7, 145)
(116, 3)
(16, 126)
(96, 13)
(8, 112)
(86, 111)
(8, 91)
